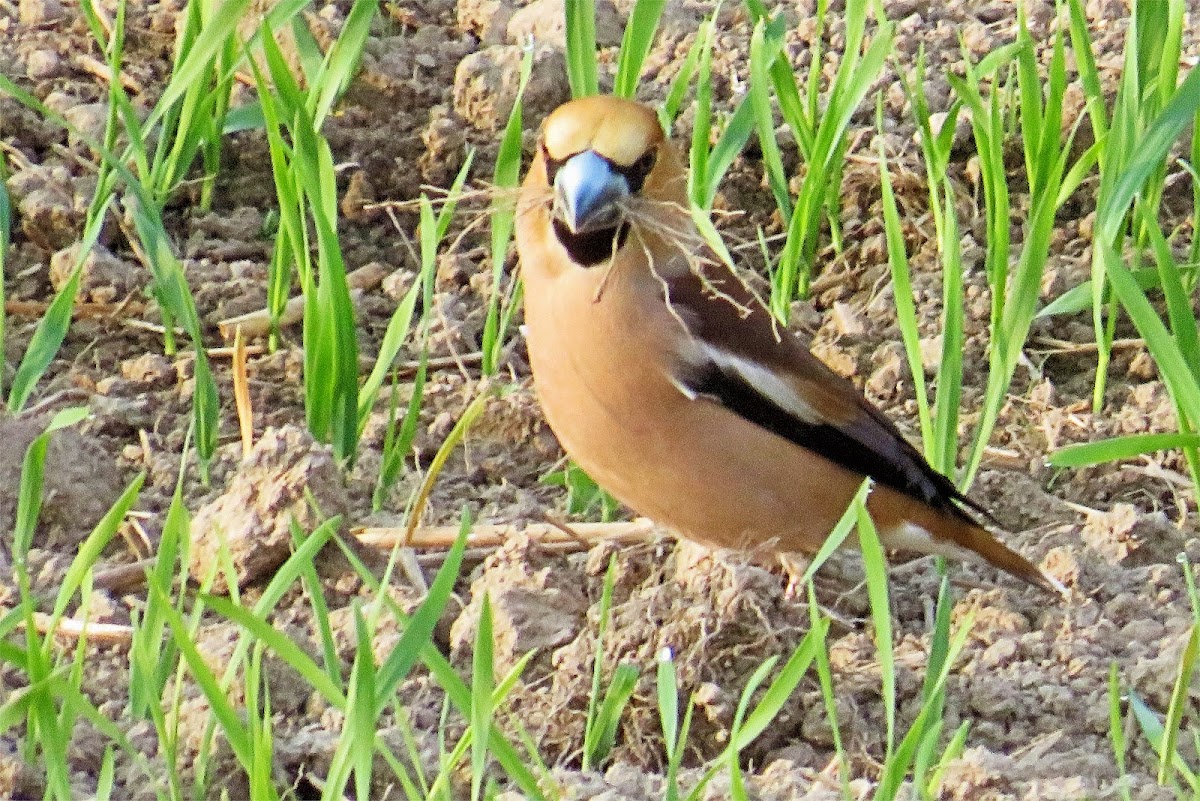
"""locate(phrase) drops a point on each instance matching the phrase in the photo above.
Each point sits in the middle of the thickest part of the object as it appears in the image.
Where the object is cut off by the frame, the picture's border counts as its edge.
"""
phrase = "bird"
(667, 380)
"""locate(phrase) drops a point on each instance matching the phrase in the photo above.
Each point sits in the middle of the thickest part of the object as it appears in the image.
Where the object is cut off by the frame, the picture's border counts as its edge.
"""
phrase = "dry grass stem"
(241, 394)
(70, 627)
(36, 308)
(581, 535)
(102, 71)
(258, 323)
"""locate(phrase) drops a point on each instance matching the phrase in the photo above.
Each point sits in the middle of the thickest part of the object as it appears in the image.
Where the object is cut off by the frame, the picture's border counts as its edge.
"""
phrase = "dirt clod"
(267, 492)
(79, 483)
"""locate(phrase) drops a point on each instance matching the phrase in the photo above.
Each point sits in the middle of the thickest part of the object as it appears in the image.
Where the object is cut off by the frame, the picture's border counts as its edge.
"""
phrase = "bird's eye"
(552, 164)
(636, 173)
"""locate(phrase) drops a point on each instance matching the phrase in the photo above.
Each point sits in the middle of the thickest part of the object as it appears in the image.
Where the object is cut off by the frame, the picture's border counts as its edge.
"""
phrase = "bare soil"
(438, 77)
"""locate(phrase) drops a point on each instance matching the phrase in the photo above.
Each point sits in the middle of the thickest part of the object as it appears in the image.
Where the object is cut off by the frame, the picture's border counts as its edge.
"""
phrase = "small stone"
(445, 146)
(150, 368)
(1142, 367)
(104, 278)
(486, 82)
(847, 320)
(48, 217)
(1000, 652)
(88, 121)
(111, 385)
(888, 373)
(931, 354)
(397, 284)
(43, 65)
(487, 19)
(17, 778)
(359, 194)
(545, 21)
(39, 12)
(835, 358)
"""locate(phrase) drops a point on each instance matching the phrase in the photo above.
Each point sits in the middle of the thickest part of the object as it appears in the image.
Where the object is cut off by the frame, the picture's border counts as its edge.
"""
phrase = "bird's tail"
(984, 545)
(924, 530)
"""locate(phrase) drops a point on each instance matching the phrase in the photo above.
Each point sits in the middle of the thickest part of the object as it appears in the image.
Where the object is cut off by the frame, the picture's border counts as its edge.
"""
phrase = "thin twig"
(37, 308)
(70, 627)
(102, 71)
(1056, 346)
(258, 323)
(493, 536)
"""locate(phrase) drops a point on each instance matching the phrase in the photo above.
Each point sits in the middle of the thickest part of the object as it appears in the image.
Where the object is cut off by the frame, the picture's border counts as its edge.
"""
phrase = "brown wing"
(767, 377)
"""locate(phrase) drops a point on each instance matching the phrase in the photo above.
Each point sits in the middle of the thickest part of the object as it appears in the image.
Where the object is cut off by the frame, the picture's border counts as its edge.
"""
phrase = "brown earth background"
(439, 77)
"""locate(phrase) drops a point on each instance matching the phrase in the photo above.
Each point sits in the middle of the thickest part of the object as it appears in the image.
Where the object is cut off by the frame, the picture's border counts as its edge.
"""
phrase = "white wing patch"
(768, 383)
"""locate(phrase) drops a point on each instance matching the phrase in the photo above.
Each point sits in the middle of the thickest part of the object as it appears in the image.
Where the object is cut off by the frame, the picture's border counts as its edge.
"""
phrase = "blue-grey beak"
(587, 193)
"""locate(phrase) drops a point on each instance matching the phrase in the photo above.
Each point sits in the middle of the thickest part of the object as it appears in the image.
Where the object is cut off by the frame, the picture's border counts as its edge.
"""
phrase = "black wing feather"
(866, 446)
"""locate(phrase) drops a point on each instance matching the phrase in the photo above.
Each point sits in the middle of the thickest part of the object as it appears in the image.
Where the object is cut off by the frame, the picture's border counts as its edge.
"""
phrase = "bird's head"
(600, 153)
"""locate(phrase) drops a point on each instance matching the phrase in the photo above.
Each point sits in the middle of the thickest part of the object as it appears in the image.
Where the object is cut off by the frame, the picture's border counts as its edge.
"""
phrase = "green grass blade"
(954, 750)
(698, 189)
(355, 752)
(228, 717)
(1154, 731)
(418, 629)
(401, 320)
(173, 294)
(1079, 297)
(608, 716)
(1178, 300)
(1116, 729)
(482, 680)
(854, 78)
(635, 44)
(1152, 148)
(1089, 76)
(90, 550)
(581, 47)
(839, 534)
(396, 445)
(29, 492)
(192, 68)
(875, 566)
(896, 769)
(1179, 699)
(1172, 363)
(906, 312)
(669, 109)
(762, 55)
(1120, 448)
(52, 329)
(948, 393)
(591, 724)
(781, 688)
(342, 60)
(674, 736)
(5, 241)
(280, 644)
(505, 177)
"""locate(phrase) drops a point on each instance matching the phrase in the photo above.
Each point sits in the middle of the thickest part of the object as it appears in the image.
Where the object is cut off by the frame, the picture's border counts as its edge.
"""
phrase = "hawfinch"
(668, 381)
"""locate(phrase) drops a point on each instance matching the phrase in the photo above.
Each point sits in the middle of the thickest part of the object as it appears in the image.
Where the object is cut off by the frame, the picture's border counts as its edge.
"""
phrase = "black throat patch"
(589, 248)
